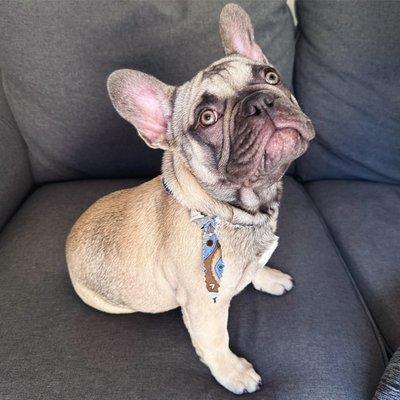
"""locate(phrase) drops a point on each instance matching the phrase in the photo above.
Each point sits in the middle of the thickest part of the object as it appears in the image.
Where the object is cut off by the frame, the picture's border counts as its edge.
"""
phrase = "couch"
(62, 146)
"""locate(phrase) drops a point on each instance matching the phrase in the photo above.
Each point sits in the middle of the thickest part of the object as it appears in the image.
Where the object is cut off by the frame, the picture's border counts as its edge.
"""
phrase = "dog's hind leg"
(94, 300)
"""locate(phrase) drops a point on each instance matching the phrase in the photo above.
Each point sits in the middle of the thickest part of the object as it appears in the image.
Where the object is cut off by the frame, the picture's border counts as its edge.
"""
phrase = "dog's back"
(112, 251)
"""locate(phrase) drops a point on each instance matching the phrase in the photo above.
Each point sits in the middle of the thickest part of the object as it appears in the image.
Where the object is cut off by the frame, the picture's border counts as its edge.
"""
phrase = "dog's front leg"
(207, 323)
(272, 281)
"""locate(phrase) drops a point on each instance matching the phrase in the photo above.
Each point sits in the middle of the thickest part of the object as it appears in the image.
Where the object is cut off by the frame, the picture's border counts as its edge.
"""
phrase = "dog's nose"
(258, 104)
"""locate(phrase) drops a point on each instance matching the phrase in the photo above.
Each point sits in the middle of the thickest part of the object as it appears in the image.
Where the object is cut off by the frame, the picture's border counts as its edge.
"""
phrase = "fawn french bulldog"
(197, 235)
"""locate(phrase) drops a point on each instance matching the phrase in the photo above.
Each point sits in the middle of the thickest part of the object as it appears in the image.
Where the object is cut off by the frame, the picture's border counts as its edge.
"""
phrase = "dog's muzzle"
(270, 130)
(267, 105)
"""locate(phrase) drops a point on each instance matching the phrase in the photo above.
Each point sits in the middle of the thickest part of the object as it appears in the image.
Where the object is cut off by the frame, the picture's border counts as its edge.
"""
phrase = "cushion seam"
(378, 336)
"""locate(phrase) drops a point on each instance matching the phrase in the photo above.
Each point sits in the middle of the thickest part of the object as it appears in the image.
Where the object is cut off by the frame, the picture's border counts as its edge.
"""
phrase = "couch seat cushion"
(316, 342)
(364, 218)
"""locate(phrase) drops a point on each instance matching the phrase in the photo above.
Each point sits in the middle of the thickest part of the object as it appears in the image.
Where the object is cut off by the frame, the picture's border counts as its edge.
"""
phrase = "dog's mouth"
(287, 141)
(264, 144)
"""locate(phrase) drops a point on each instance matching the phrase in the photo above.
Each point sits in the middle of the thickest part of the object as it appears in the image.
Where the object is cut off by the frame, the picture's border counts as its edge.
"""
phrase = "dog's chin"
(283, 144)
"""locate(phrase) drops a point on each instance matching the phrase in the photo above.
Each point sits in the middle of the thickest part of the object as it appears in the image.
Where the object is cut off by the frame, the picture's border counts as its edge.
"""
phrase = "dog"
(200, 233)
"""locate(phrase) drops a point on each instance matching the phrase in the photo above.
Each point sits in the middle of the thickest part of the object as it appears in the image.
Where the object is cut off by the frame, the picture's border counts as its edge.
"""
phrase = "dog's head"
(235, 123)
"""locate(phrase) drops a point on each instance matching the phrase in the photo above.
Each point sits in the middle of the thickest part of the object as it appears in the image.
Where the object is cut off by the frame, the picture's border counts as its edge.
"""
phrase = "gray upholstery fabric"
(56, 57)
(316, 342)
(389, 386)
(15, 174)
(364, 219)
(347, 80)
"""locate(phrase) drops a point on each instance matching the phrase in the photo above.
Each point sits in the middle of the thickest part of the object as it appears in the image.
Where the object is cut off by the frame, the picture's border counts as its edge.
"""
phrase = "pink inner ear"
(238, 45)
(152, 123)
(145, 108)
(241, 44)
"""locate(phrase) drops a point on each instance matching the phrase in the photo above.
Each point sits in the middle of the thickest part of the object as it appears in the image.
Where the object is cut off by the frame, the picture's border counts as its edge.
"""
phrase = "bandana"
(212, 262)
(211, 254)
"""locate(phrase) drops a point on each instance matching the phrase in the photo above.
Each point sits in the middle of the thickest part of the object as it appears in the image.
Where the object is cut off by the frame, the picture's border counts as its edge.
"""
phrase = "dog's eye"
(271, 76)
(208, 117)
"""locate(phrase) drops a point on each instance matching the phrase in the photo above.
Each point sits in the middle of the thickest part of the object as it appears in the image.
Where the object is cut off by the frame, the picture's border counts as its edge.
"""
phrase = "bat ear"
(145, 102)
(237, 34)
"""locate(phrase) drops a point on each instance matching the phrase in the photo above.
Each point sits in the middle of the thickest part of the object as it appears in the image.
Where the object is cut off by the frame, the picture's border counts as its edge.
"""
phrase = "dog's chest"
(247, 246)
(231, 254)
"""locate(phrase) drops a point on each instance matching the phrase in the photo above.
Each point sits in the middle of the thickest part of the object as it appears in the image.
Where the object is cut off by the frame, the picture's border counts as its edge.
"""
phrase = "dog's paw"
(272, 281)
(236, 374)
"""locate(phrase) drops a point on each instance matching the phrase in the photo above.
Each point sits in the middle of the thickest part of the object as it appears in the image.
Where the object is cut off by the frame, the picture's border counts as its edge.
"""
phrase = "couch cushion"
(347, 81)
(364, 219)
(15, 174)
(55, 59)
(316, 342)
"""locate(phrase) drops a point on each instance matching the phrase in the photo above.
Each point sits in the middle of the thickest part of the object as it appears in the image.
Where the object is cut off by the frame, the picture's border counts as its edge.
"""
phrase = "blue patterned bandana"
(211, 254)
(213, 264)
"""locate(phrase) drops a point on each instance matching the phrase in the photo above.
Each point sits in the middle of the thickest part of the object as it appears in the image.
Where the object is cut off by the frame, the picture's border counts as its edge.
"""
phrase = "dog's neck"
(185, 188)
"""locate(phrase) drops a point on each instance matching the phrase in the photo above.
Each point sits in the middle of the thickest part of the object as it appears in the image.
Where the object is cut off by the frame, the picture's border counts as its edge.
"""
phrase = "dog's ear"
(237, 33)
(145, 102)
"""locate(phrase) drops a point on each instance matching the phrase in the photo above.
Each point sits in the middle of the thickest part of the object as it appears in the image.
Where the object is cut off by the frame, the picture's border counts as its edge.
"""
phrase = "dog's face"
(235, 123)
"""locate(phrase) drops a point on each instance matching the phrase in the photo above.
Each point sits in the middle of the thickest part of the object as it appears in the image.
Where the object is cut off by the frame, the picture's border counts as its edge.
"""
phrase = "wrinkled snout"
(260, 104)
(270, 132)
(269, 107)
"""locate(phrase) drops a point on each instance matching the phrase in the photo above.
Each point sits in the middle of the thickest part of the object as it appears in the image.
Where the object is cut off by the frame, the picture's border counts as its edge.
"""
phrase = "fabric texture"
(364, 219)
(316, 342)
(389, 386)
(56, 58)
(347, 80)
(15, 174)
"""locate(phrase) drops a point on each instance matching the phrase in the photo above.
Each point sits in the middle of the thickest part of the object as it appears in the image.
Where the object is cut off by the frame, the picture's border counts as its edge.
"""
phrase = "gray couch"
(62, 146)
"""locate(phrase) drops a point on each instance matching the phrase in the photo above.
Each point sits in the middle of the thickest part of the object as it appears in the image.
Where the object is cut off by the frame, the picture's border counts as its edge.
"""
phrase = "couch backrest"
(56, 57)
(15, 174)
(347, 78)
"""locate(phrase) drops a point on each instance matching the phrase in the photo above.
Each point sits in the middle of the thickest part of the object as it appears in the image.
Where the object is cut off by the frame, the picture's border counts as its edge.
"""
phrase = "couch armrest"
(15, 175)
(389, 386)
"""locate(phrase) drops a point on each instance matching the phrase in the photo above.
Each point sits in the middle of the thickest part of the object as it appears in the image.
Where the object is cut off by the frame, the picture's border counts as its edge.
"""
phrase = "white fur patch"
(268, 252)
(294, 101)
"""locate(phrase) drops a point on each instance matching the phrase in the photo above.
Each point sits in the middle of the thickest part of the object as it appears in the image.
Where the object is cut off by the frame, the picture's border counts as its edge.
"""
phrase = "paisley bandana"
(211, 254)
(213, 264)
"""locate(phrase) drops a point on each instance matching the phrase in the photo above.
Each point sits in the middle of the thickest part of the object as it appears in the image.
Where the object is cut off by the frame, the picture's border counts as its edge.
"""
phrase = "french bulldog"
(200, 233)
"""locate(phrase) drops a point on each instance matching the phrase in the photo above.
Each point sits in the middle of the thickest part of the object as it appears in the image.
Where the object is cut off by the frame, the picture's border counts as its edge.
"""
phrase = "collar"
(191, 195)
(195, 216)
(229, 217)
(166, 187)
